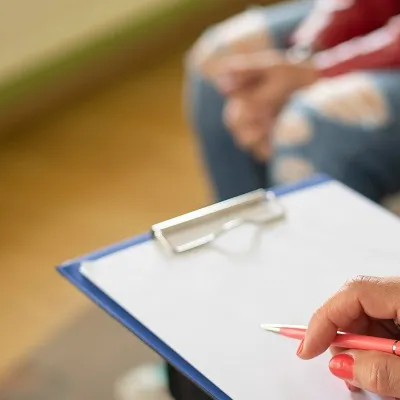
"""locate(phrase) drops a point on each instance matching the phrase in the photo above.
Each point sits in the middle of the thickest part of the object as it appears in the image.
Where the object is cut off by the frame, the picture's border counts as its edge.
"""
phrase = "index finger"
(374, 297)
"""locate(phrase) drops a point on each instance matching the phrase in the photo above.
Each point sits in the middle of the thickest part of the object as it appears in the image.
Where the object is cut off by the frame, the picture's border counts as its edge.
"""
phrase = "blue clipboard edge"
(71, 271)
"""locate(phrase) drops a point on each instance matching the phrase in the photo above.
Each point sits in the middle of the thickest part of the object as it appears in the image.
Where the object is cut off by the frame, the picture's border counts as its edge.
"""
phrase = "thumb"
(375, 372)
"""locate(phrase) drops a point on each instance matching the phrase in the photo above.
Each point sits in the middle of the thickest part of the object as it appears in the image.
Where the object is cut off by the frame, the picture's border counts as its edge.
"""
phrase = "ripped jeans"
(347, 127)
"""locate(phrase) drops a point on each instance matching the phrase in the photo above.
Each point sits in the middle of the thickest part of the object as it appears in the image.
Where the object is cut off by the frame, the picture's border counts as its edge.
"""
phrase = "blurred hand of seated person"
(257, 86)
(281, 92)
(239, 58)
(241, 34)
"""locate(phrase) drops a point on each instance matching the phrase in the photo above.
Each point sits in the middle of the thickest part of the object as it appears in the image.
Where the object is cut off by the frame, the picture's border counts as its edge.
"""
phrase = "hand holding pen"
(366, 356)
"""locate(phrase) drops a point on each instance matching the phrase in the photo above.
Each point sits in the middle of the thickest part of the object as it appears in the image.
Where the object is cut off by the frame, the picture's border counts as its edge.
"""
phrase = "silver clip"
(203, 226)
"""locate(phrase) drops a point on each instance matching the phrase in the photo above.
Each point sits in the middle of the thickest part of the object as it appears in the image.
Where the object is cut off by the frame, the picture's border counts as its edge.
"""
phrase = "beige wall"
(33, 29)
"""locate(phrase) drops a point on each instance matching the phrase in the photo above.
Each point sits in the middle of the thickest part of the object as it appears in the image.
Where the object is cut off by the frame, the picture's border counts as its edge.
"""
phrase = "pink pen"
(343, 339)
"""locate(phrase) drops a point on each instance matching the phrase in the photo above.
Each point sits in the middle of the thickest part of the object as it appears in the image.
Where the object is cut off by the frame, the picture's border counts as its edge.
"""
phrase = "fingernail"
(300, 348)
(352, 388)
(342, 366)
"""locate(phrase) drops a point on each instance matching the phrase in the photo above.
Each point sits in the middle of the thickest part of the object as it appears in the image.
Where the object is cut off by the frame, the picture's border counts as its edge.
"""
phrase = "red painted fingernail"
(300, 348)
(352, 388)
(342, 366)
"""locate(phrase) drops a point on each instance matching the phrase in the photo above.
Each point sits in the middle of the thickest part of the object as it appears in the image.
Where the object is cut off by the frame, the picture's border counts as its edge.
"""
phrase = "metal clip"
(203, 226)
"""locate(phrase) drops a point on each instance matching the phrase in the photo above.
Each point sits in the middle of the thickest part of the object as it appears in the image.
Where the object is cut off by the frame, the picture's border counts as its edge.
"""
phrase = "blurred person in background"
(281, 92)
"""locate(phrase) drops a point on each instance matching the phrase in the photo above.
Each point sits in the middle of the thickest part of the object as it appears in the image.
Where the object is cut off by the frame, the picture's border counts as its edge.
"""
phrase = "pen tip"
(271, 328)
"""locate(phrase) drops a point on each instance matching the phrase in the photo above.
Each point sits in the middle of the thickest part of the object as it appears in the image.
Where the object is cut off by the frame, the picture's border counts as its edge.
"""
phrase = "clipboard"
(175, 236)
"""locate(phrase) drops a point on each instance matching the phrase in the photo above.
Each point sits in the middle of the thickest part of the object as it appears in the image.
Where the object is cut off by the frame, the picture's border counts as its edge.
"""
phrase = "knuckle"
(320, 315)
(245, 31)
(316, 317)
(359, 282)
(202, 50)
(380, 377)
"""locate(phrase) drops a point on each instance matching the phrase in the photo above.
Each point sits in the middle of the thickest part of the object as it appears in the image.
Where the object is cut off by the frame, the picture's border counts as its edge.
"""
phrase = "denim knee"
(307, 142)
(232, 171)
(204, 105)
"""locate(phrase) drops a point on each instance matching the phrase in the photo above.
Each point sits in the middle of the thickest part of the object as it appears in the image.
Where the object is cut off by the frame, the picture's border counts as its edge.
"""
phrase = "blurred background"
(93, 144)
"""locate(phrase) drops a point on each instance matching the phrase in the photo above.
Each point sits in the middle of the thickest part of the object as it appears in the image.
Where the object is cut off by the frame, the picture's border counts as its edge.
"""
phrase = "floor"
(98, 171)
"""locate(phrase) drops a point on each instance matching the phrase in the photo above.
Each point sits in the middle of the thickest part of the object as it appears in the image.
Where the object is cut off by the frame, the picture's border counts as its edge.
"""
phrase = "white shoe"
(148, 382)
